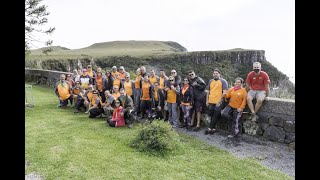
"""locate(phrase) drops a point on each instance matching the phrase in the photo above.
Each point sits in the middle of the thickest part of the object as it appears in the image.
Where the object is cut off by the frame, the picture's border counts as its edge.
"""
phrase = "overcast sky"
(198, 25)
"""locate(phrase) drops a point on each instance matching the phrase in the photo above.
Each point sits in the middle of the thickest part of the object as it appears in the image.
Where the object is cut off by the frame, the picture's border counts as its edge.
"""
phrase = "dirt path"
(272, 154)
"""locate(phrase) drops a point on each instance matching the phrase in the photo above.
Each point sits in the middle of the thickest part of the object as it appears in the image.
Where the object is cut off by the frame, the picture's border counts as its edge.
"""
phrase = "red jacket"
(117, 117)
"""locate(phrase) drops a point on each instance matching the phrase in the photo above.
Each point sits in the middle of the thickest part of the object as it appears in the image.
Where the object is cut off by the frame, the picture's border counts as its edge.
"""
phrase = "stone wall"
(276, 117)
(45, 77)
(276, 121)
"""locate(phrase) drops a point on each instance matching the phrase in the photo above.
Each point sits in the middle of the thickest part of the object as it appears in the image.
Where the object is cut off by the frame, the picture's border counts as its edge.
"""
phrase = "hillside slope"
(115, 48)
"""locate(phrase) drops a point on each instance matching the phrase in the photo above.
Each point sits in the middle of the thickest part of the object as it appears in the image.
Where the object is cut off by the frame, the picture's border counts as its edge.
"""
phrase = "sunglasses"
(173, 72)
(191, 75)
(186, 80)
(171, 80)
(117, 102)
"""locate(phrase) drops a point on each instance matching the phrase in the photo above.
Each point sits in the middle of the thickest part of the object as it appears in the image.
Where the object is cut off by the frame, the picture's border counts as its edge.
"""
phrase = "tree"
(35, 18)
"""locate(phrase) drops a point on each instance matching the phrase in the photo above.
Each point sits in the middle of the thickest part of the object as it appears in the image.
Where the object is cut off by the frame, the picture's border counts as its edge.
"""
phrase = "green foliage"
(35, 17)
(156, 138)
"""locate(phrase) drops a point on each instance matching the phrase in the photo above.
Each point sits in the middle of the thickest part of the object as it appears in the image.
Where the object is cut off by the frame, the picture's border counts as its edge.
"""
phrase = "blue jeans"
(137, 94)
(172, 108)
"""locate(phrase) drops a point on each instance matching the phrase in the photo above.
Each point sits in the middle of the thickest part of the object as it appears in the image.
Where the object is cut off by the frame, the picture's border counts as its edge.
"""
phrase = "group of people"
(178, 100)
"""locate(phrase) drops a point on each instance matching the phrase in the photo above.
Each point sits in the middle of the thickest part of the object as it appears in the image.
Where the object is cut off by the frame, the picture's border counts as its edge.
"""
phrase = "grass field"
(62, 145)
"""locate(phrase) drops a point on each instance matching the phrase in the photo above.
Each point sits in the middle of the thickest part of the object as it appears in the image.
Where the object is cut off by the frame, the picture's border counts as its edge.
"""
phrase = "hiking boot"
(59, 105)
(207, 132)
(230, 136)
(196, 129)
(182, 126)
(212, 131)
(251, 116)
(255, 118)
(76, 111)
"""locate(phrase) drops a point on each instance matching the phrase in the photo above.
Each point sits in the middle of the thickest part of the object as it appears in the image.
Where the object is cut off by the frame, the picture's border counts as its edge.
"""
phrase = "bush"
(156, 138)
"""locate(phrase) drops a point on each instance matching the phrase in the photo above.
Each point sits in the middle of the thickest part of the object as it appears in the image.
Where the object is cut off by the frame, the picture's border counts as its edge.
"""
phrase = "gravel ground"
(272, 154)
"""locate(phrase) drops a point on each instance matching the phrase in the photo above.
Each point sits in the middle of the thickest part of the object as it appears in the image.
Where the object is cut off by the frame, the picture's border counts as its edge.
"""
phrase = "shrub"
(156, 138)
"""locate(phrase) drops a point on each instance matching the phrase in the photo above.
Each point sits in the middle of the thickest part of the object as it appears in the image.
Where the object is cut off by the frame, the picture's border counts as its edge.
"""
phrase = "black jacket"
(187, 97)
(160, 99)
(199, 88)
(108, 83)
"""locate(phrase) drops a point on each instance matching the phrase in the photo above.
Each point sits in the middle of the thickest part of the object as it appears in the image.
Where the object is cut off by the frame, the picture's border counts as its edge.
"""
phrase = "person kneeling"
(96, 108)
(117, 116)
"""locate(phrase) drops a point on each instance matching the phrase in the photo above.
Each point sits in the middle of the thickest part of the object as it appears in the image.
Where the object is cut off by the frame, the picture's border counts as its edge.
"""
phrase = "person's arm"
(160, 97)
(177, 89)
(56, 90)
(266, 81)
(248, 83)
(208, 93)
(267, 91)
(201, 85)
(227, 94)
(244, 101)
(192, 98)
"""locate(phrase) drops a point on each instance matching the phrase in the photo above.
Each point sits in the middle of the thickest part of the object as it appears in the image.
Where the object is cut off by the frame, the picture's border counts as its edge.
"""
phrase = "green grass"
(62, 145)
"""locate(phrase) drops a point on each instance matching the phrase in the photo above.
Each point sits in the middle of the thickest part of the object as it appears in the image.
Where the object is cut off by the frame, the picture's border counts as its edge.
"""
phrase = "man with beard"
(217, 87)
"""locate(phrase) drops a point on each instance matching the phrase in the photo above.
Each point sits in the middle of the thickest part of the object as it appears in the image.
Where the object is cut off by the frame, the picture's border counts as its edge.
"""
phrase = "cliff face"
(232, 64)
(241, 56)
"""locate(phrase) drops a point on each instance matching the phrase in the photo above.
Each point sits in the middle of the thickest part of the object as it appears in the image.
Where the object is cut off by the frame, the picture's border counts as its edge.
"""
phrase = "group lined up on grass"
(174, 99)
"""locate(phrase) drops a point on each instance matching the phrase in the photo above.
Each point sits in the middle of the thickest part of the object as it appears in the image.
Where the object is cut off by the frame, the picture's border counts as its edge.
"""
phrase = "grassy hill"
(113, 48)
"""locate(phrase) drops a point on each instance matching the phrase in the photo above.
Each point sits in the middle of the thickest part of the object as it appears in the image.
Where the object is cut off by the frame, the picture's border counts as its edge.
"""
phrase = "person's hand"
(121, 114)
(172, 87)
(239, 110)
(194, 83)
(181, 105)
(267, 98)
(166, 88)
(207, 103)
(218, 104)
(60, 98)
(153, 108)
(190, 107)
(159, 108)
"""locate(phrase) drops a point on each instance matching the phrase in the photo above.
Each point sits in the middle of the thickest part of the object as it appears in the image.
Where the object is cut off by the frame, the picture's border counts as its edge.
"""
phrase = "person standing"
(85, 79)
(146, 97)
(128, 86)
(257, 83)
(217, 87)
(99, 79)
(153, 77)
(198, 86)
(233, 111)
(186, 102)
(171, 97)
